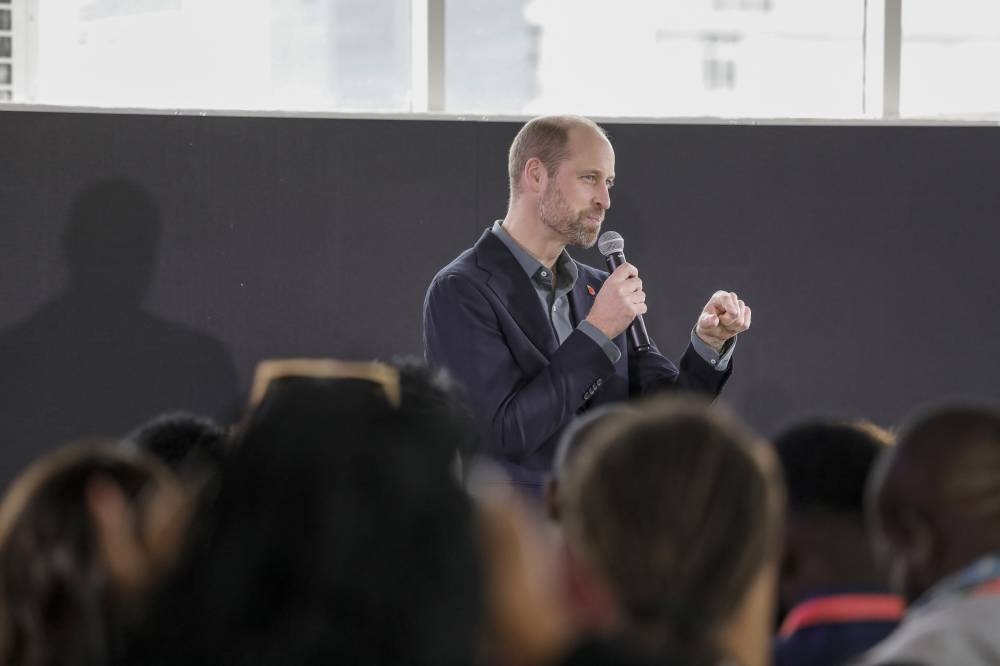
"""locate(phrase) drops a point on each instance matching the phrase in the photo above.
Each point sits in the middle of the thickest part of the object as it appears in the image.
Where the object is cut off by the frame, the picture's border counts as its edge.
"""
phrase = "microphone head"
(610, 242)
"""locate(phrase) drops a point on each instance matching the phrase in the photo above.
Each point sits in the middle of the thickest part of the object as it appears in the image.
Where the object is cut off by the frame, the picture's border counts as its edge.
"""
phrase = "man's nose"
(603, 198)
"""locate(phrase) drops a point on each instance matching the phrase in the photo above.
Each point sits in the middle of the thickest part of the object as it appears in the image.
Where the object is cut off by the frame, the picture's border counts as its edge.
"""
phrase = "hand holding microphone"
(621, 302)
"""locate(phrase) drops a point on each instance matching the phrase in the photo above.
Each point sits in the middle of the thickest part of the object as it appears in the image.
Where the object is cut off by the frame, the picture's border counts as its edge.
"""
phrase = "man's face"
(577, 195)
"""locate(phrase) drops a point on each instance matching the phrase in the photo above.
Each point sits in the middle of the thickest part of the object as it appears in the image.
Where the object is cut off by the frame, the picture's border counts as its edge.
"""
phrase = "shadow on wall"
(93, 361)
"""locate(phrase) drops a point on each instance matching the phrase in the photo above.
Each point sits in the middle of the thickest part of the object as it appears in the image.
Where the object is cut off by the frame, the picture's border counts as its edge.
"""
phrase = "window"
(7, 74)
(948, 59)
(629, 58)
(491, 56)
(225, 54)
(663, 58)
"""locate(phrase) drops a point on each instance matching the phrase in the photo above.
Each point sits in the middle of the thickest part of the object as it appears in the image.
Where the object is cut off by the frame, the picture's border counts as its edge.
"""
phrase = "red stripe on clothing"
(990, 587)
(843, 608)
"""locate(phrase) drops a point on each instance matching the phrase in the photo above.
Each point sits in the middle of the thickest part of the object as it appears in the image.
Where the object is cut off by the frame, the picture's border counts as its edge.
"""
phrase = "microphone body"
(613, 248)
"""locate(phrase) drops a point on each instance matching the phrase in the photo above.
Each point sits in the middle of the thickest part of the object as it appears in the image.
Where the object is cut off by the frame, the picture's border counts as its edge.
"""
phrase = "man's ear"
(924, 550)
(535, 176)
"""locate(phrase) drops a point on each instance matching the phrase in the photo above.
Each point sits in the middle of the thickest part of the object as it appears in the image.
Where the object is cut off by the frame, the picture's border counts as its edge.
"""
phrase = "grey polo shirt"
(553, 291)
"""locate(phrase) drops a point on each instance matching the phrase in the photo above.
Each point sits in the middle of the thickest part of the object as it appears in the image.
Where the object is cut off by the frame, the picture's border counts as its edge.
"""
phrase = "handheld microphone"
(612, 246)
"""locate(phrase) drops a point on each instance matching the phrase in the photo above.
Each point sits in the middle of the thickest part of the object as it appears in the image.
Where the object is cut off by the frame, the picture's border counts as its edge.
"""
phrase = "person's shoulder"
(464, 265)
(467, 264)
(939, 636)
(461, 284)
(462, 277)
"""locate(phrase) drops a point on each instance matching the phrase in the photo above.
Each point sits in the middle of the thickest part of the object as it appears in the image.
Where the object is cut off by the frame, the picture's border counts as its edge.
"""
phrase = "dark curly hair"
(57, 602)
(339, 535)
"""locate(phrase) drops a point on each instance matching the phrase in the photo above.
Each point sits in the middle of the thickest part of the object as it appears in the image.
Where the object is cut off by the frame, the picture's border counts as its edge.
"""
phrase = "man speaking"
(534, 336)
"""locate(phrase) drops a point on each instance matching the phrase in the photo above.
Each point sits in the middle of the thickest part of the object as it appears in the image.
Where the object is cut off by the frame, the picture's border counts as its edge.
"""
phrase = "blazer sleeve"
(519, 411)
(651, 372)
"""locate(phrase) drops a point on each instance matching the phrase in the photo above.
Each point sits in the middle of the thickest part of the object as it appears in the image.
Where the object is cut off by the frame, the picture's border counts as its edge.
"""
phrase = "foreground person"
(678, 508)
(85, 534)
(936, 514)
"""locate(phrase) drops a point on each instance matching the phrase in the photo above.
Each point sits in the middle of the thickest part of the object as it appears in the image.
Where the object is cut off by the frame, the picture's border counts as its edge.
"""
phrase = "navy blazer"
(484, 324)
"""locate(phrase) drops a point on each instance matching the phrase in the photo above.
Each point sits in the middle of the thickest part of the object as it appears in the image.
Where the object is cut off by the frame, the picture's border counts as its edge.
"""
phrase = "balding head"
(546, 138)
(935, 500)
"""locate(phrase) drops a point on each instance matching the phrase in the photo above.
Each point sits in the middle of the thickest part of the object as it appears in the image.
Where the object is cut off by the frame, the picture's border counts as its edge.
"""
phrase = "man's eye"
(590, 178)
(610, 184)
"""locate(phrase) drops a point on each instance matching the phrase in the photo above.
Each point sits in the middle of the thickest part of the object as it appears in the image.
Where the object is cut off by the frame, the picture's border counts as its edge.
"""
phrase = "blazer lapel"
(581, 297)
(515, 290)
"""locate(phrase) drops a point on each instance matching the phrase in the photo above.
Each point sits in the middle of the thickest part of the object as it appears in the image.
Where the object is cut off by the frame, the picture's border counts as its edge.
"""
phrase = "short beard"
(556, 214)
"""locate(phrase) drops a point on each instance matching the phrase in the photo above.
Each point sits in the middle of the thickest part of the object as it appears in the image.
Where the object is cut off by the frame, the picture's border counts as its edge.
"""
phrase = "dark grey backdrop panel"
(146, 262)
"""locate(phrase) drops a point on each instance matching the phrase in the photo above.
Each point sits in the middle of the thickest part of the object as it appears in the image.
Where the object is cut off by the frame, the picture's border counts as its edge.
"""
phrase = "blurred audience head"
(572, 441)
(339, 533)
(84, 534)
(826, 466)
(679, 506)
(191, 445)
(433, 399)
(935, 499)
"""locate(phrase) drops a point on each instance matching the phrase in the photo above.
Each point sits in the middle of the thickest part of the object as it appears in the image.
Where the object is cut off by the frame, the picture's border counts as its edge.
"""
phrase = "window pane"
(779, 58)
(226, 54)
(948, 59)
(491, 56)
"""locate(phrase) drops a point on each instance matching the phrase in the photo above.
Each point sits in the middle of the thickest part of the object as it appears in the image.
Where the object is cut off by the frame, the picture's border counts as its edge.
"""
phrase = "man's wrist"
(715, 343)
(599, 327)
(598, 336)
(717, 358)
